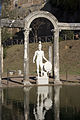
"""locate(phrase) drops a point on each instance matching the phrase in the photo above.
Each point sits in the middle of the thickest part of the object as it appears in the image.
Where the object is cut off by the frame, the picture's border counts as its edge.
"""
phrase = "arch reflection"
(45, 106)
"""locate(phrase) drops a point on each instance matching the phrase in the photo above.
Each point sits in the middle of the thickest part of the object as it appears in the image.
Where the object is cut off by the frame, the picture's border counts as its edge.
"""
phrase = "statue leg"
(41, 65)
(38, 68)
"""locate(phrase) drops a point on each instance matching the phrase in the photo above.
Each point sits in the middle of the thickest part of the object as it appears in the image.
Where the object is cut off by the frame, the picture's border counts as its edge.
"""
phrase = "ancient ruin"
(58, 26)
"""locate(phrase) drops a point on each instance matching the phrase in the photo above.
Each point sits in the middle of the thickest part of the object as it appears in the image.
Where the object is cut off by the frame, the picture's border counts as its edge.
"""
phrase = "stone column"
(26, 56)
(50, 56)
(56, 57)
(0, 58)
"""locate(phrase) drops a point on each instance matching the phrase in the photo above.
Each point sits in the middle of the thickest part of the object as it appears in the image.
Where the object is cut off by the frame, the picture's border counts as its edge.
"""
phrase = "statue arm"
(34, 57)
(44, 57)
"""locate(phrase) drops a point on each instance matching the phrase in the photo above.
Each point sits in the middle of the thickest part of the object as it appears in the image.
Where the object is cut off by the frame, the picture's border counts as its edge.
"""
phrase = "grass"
(69, 57)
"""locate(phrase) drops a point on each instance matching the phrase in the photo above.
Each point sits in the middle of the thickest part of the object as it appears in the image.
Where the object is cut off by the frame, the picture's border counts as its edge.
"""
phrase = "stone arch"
(42, 14)
(28, 20)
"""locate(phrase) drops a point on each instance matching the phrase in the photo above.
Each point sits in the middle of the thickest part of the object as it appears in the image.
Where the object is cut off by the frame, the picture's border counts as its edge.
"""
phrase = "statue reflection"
(44, 108)
(44, 103)
(57, 102)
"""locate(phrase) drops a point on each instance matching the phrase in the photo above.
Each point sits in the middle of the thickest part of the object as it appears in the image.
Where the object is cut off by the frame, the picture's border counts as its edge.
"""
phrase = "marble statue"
(45, 67)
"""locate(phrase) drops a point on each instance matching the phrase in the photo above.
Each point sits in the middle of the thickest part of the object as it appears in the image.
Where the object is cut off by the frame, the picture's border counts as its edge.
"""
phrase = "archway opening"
(42, 30)
(54, 21)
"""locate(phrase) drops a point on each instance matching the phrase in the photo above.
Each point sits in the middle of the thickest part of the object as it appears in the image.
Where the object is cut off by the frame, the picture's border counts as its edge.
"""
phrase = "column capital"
(27, 30)
(55, 30)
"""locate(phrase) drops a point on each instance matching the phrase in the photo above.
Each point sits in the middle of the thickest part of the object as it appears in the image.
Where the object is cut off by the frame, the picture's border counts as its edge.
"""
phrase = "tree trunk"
(36, 37)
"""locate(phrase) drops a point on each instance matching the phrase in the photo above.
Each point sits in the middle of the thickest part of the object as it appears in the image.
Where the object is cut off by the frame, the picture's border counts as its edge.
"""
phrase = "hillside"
(69, 57)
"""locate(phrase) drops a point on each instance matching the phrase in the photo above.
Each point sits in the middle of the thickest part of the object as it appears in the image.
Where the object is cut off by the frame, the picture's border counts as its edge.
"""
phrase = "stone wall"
(26, 2)
(20, 8)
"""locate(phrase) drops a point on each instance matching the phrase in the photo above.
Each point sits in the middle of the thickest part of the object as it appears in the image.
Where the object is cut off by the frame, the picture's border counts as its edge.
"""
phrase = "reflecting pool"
(40, 103)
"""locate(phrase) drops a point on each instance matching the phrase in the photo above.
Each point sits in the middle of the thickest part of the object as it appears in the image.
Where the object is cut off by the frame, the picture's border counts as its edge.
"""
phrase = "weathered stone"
(56, 56)
(2, 59)
(43, 80)
(50, 56)
(26, 55)
(68, 26)
(12, 23)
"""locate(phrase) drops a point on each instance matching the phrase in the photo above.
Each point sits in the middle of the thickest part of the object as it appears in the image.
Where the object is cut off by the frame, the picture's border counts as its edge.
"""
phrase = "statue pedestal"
(42, 80)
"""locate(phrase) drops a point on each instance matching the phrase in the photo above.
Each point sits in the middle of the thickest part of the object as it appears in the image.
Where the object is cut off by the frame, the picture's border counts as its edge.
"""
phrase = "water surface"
(40, 103)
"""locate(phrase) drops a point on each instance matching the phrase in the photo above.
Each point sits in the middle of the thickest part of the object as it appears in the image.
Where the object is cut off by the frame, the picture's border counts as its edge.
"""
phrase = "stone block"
(43, 80)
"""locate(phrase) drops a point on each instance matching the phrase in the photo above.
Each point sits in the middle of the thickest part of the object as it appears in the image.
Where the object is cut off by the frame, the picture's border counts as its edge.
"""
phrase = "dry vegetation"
(69, 57)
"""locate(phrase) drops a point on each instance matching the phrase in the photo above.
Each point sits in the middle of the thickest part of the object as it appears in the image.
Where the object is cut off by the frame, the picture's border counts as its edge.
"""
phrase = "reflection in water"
(26, 103)
(57, 102)
(43, 109)
(40, 103)
(12, 104)
(0, 101)
(44, 103)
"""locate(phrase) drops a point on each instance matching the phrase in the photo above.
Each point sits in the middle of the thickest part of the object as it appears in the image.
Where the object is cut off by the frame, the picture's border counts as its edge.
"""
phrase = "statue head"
(40, 45)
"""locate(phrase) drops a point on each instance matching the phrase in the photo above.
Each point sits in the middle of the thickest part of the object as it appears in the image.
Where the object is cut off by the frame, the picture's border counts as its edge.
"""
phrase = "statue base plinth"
(42, 80)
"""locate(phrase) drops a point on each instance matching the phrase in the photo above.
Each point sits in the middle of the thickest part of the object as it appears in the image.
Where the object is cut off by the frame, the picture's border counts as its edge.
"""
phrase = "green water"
(40, 103)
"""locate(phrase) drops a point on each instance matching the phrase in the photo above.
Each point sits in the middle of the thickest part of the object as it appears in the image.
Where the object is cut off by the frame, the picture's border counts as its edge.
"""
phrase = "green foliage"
(69, 35)
(66, 35)
(6, 34)
(61, 39)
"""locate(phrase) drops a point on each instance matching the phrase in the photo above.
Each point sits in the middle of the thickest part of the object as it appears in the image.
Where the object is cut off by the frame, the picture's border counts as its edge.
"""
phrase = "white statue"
(39, 60)
(39, 56)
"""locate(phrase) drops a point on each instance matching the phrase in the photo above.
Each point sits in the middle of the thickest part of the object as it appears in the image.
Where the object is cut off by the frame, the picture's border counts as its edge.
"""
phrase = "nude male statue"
(39, 56)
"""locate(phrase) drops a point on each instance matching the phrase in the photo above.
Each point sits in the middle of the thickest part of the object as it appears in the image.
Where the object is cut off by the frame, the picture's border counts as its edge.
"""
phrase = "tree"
(35, 26)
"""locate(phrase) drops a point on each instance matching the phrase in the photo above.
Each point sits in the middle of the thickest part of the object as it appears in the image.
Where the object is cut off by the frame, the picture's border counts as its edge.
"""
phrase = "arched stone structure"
(26, 25)
(28, 20)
